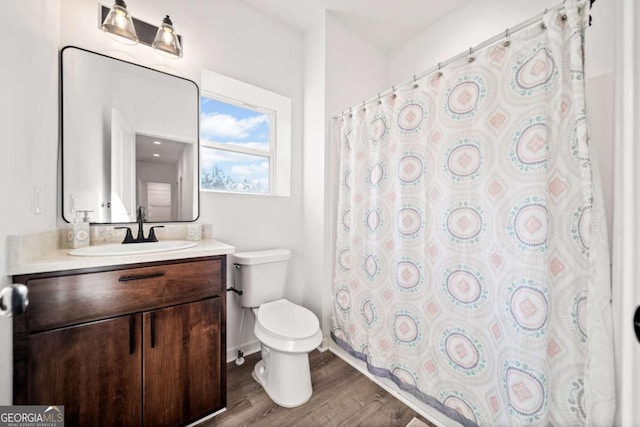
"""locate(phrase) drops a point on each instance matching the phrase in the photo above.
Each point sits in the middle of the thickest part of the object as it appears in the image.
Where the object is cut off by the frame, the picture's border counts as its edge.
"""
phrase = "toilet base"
(285, 377)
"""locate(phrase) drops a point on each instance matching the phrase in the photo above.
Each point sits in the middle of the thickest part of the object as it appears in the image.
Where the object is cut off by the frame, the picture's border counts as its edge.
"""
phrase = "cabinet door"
(183, 372)
(94, 370)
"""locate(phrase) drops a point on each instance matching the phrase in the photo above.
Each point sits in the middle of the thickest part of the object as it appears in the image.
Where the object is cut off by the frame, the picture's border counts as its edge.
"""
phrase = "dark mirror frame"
(196, 155)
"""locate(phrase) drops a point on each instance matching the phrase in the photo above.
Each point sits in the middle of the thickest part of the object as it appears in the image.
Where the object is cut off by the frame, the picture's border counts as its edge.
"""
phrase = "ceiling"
(167, 151)
(385, 23)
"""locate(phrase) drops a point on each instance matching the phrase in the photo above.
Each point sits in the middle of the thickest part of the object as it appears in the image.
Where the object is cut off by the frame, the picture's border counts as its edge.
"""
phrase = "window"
(245, 138)
(237, 146)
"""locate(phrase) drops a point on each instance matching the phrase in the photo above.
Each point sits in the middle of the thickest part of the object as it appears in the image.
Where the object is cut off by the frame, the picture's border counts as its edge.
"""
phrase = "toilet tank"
(260, 275)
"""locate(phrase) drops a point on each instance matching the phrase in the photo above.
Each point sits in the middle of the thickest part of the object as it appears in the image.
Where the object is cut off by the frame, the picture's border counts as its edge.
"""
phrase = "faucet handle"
(152, 234)
(128, 238)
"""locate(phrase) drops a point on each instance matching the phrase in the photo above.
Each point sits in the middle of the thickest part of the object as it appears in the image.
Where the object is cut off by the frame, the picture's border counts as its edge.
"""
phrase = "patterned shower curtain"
(472, 265)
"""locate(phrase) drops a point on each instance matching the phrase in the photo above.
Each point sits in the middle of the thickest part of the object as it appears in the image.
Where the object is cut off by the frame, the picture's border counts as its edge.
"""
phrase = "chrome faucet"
(141, 218)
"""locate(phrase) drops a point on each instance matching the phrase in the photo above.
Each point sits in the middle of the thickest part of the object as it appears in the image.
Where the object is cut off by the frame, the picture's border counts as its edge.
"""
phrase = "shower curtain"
(472, 265)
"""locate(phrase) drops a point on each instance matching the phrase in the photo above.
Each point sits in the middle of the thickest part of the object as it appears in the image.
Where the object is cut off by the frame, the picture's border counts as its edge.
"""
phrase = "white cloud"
(226, 126)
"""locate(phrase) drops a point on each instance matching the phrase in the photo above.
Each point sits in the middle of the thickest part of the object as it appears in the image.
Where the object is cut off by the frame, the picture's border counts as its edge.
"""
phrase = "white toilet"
(287, 332)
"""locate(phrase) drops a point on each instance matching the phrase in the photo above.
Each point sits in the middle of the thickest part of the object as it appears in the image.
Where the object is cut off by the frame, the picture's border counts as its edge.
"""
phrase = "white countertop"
(59, 259)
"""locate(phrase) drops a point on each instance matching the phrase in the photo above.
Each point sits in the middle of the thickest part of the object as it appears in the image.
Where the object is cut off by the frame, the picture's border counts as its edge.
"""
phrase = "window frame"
(233, 148)
(278, 107)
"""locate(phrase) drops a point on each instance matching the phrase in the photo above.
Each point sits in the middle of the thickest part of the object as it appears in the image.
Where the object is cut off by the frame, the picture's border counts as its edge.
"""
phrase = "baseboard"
(247, 349)
(425, 411)
(324, 345)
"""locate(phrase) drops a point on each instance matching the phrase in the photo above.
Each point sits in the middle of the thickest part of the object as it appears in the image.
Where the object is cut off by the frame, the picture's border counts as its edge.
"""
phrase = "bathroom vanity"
(136, 343)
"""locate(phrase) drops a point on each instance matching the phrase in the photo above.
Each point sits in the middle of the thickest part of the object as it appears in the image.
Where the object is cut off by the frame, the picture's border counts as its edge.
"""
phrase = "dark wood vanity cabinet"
(125, 346)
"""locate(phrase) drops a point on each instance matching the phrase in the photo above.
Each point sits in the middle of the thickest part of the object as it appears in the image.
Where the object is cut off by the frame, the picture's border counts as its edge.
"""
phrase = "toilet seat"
(287, 327)
(287, 320)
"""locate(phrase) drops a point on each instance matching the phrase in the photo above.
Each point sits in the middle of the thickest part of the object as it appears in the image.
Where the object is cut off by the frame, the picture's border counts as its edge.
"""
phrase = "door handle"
(636, 322)
(140, 277)
(153, 329)
(14, 300)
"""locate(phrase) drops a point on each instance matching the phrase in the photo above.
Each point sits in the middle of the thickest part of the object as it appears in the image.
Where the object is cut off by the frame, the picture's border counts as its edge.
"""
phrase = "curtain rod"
(469, 53)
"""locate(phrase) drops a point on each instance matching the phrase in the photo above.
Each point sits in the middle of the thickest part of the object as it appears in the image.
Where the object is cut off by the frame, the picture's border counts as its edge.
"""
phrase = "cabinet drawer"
(71, 299)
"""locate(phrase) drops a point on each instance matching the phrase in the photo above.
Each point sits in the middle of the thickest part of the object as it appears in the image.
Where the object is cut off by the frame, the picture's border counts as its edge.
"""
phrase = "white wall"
(29, 123)
(626, 249)
(341, 69)
(356, 69)
(468, 25)
(314, 175)
(89, 188)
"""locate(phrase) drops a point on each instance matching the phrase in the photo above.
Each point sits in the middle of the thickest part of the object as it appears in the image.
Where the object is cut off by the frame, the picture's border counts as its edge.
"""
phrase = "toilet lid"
(287, 320)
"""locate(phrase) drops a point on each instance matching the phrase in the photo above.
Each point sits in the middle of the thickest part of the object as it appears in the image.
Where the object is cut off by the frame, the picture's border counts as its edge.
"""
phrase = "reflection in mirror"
(161, 168)
(129, 138)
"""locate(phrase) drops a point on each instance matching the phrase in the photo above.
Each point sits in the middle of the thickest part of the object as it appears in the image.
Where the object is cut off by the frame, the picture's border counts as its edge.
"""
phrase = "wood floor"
(342, 396)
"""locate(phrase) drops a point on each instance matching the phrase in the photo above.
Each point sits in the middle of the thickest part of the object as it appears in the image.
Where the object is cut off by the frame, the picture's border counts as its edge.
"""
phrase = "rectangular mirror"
(129, 138)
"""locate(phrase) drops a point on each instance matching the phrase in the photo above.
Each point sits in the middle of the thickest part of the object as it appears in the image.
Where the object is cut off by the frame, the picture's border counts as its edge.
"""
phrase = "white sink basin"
(132, 248)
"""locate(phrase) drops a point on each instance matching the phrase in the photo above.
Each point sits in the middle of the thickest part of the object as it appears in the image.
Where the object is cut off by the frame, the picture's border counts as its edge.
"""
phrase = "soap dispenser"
(78, 231)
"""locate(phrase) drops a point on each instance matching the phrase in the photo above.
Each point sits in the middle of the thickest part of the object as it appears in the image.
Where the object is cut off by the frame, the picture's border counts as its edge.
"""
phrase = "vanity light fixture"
(120, 25)
(166, 41)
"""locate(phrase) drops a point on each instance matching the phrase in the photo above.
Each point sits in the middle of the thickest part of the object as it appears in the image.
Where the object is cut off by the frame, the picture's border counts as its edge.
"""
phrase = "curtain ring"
(470, 58)
(379, 102)
(506, 42)
(543, 25)
(439, 73)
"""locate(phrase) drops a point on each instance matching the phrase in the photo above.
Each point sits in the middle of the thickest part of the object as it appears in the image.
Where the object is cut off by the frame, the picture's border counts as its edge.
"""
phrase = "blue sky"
(229, 124)
(225, 123)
